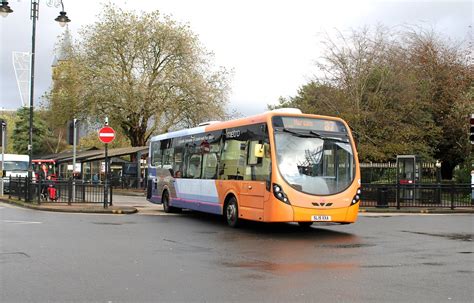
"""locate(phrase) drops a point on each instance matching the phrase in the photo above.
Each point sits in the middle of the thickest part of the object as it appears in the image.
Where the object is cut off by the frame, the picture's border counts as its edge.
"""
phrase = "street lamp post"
(62, 19)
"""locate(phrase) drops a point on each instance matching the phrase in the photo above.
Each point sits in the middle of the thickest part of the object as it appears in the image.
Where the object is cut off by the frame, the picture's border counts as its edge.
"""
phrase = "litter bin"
(382, 201)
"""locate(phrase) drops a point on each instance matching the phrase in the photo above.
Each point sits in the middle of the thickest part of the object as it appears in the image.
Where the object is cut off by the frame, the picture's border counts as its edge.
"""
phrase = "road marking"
(21, 222)
(381, 214)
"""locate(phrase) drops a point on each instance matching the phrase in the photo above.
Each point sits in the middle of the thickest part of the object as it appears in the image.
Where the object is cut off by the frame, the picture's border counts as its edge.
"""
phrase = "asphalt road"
(60, 257)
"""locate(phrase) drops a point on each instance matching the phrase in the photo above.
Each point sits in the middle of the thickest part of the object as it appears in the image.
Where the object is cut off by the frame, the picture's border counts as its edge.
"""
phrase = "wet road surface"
(194, 257)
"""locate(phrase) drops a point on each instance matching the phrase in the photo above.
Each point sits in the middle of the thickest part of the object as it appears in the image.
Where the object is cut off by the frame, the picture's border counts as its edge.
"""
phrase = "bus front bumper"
(338, 215)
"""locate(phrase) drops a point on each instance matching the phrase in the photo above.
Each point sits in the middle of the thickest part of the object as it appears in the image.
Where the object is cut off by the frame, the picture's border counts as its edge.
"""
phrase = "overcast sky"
(270, 45)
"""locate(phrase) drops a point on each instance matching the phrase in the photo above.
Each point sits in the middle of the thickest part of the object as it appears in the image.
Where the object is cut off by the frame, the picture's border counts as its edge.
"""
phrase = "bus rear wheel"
(231, 212)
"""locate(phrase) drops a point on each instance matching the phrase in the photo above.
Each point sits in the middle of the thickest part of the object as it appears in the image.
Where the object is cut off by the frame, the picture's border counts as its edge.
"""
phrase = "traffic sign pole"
(106, 184)
(106, 135)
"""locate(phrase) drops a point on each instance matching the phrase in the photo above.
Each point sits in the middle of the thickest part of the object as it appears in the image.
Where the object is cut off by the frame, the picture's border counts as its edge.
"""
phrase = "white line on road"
(374, 214)
(21, 222)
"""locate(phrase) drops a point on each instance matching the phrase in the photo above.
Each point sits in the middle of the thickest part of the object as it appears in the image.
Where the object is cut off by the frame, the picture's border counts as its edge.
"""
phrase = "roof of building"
(93, 154)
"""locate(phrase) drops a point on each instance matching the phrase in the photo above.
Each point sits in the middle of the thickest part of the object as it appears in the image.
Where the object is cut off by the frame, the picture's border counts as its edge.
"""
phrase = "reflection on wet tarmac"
(287, 267)
(288, 249)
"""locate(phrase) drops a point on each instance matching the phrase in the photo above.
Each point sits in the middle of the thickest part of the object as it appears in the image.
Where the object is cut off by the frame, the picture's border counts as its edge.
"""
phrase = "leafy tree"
(21, 133)
(63, 100)
(401, 92)
(444, 72)
(144, 71)
(10, 118)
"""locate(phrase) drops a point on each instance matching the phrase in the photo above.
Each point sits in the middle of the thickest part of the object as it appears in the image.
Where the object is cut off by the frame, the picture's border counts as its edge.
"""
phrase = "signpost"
(3, 137)
(106, 135)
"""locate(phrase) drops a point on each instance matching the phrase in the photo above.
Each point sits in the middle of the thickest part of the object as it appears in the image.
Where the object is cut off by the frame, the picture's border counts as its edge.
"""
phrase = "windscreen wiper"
(313, 134)
(318, 135)
(298, 133)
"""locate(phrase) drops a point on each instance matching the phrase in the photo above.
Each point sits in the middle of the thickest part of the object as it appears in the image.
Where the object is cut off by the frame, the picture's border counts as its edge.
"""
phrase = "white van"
(14, 166)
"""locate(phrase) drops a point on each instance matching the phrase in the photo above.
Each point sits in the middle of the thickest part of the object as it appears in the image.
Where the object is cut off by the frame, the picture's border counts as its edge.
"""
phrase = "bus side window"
(178, 162)
(258, 167)
(168, 159)
(233, 161)
(194, 167)
(156, 156)
(210, 161)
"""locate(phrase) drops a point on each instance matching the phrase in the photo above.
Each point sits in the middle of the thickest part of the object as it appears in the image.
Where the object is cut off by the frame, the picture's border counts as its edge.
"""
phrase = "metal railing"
(123, 182)
(126, 182)
(417, 195)
(387, 172)
(57, 191)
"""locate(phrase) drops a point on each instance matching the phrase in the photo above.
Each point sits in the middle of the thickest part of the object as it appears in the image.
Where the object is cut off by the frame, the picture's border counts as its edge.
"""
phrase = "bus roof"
(15, 157)
(260, 118)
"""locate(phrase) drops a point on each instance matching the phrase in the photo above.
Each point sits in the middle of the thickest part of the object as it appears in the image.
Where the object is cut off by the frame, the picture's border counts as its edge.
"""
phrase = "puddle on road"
(112, 223)
(455, 236)
(379, 266)
(348, 245)
(433, 263)
(286, 268)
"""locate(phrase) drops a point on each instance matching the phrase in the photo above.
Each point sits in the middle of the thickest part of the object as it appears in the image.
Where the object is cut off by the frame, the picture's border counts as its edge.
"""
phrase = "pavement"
(130, 202)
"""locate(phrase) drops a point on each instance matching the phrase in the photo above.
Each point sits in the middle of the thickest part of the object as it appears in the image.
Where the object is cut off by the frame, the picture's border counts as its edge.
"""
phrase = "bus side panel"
(227, 187)
(273, 210)
(196, 194)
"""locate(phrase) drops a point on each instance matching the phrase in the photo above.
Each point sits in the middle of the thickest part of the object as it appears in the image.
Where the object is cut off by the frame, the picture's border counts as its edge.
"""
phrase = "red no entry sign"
(106, 134)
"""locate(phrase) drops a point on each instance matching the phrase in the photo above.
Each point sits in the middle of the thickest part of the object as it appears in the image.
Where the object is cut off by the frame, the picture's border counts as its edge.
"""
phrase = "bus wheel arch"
(231, 210)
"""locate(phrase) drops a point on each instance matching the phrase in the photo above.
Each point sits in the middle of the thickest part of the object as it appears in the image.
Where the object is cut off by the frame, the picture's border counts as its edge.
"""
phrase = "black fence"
(384, 173)
(58, 191)
(417, 195)
(126, 182)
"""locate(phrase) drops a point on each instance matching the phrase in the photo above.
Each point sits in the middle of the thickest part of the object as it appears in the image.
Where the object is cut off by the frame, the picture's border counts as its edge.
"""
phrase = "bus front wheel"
(166, 204)
(231, 212)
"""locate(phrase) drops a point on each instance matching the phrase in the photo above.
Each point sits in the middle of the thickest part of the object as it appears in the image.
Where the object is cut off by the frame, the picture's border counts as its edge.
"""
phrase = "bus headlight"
(279, 194)
(356, 198)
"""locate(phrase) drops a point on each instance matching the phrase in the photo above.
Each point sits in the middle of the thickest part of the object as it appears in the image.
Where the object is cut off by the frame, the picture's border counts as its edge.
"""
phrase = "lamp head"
(62, 19)
(5, 9)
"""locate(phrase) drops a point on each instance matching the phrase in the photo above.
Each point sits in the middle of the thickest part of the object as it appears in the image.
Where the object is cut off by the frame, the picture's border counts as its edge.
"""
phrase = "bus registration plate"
(320, 218)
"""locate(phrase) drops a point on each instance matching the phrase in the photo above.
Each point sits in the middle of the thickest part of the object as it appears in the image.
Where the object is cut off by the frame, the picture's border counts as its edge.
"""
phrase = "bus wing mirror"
(259, 150)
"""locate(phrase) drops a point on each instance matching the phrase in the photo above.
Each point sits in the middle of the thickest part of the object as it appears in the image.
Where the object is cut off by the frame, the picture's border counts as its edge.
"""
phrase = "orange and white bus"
(280, 166)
